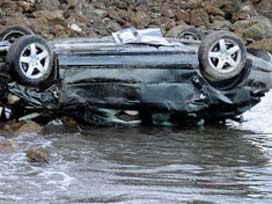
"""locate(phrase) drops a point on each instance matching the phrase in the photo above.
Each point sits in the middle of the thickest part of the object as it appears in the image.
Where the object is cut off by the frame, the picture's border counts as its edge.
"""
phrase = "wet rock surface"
(69, 122)
(17, 128)
(38, 154)
(6, 147)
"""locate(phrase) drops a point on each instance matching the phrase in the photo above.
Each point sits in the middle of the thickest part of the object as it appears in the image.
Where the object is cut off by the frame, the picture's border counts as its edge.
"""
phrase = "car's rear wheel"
(13, 33)
(222, 57)
(185, 32)
(31, 60)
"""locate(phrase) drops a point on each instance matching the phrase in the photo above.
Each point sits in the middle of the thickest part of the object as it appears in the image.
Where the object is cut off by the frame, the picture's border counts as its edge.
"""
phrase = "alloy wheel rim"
(34, 61)
(188, 36)
(225, 55)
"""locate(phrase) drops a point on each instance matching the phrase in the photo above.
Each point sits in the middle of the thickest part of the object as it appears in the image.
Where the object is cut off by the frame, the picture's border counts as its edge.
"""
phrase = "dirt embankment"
(250, 19)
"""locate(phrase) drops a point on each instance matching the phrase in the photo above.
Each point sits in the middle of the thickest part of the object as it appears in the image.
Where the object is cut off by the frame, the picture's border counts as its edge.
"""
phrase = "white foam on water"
(58, 179)
(15, 169)
(12, 198)
(259, 118)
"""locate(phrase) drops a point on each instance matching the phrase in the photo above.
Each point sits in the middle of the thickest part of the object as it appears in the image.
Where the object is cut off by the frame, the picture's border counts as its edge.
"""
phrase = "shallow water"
(146, 165)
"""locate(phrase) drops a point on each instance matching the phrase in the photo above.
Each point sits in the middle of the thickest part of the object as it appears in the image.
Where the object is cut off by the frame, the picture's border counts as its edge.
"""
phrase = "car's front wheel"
(31, 60)
(222, 57)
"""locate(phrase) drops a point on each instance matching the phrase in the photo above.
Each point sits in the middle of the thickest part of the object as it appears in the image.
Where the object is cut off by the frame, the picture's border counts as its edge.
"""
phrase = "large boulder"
(69, 122)
(264, 7)
(141, 19)
(6, 147)
(50, 23)
(183, 15)
(256, 28)
(220, 25)
(264, 45)
(28, 126)
(50, 5)
(199, 17)
(38, 154)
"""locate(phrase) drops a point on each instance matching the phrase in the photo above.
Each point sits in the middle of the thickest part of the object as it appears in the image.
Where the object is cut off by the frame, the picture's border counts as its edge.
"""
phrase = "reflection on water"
(142, 165)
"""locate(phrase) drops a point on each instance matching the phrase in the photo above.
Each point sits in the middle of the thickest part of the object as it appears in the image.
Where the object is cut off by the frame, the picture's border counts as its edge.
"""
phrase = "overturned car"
(134, 73)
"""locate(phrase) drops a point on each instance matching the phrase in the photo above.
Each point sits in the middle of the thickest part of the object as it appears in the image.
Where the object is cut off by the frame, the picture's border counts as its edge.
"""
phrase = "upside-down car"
(131, 71)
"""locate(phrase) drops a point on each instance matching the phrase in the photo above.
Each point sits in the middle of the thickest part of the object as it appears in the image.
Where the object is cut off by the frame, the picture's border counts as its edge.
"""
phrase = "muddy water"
(146, 165)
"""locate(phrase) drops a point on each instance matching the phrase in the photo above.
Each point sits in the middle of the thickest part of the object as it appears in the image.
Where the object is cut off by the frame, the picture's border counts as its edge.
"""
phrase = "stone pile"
(250, 19)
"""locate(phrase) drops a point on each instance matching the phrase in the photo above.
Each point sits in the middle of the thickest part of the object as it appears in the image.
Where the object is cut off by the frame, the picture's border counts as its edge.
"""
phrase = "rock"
(232, 6)
(264, 7)
(192, 4)
(199, 17)
(9, 8)
(108, 26)
(26, 6)
(15, 20)
(168, 13)
(143, 2)
(50, 5)
(17, 128)
(117, 15)
(120, 4)
(72, 3)
(256, 28)
(38, 154)
(6, 147)
(41, 26)
(69, 122)
(140, 19)
(264, 45)
(167, 24)
(220, 25)
(183, 15)
(78, 19)
(12, 99)
(46, 20)
(214, 11)
(249, 8)
(214, 19)
(99, 12)
(75, 27)
(59, 31)
(240, 16)
(54, 17)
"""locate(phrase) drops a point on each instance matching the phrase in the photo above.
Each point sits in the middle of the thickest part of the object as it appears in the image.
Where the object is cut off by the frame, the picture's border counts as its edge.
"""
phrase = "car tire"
(185, 32)
(12, 33)
(222, 56)
(30, 60)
